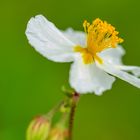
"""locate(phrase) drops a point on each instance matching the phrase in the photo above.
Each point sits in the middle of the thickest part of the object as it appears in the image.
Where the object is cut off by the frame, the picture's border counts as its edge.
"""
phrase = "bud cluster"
(41, 127)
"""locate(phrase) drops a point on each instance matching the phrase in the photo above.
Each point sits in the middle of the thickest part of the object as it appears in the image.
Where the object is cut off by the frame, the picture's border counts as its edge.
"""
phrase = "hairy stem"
(75, 99)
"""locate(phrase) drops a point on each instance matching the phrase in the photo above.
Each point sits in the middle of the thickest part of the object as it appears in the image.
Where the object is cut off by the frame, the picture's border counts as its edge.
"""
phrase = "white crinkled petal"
(133, 69)
(113, 55)
(114, 70)
(87, 78)
(48, 40)
(78, 37)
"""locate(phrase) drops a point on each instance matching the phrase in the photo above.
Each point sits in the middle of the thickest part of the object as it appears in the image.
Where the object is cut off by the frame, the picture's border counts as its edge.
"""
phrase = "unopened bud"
(39, 128)
(58, 133)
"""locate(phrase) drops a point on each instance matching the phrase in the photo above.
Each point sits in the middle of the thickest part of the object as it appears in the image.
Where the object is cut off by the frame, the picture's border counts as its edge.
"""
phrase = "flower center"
(100, 36)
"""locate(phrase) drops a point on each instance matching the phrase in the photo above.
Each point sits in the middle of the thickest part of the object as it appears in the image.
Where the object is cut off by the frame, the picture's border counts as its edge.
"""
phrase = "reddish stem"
(75, 100)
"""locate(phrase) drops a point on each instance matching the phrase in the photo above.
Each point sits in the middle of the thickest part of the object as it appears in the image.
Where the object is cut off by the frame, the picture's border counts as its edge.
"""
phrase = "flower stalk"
(75, 100)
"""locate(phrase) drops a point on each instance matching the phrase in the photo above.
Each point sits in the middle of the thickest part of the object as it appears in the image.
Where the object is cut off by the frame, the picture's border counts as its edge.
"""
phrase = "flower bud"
(59, 132)
(39, 128)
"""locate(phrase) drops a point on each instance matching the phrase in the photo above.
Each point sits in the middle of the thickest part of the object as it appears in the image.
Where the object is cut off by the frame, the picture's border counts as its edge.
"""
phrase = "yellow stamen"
(96, 57)
(100, 36)
(87, 56)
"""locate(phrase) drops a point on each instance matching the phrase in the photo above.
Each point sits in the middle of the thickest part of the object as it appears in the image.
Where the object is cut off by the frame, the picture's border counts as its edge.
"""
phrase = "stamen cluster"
(100, 36)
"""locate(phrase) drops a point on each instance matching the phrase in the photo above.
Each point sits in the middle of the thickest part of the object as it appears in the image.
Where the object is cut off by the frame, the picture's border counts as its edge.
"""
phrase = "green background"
(31, 84)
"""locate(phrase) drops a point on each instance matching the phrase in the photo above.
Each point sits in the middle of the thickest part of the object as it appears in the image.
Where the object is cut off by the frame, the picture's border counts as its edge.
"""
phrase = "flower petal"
(87, 78)
(48, 40)
(78, 37)
(113, 55)
(114, 70)
(133, 69)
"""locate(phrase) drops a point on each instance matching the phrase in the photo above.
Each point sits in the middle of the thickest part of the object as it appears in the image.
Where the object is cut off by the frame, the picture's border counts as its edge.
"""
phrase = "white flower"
(95, 54)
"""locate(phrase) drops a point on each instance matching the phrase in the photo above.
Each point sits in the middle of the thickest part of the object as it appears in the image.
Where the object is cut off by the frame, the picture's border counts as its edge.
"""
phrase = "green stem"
(55, 109)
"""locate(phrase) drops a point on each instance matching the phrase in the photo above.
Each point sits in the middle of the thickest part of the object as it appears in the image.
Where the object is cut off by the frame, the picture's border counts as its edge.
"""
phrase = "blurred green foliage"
(30, 84)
